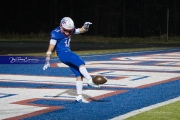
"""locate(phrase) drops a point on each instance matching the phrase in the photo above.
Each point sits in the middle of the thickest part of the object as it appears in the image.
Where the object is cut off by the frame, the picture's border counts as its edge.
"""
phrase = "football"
(98, 79)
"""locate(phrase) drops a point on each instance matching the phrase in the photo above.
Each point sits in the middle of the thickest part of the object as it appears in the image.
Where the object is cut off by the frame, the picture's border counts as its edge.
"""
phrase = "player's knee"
(81, 65)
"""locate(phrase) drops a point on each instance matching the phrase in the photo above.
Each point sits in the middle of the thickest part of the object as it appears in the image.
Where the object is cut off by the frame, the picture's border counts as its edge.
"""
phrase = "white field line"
(117, 53)
(135, 112)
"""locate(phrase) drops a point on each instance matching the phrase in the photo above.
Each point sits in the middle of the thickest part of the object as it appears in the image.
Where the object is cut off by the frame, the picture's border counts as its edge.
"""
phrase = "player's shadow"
(72, 92)
(95, 100)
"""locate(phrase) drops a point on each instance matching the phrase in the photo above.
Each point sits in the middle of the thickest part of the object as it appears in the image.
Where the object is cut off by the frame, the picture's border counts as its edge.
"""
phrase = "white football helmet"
(67, 26)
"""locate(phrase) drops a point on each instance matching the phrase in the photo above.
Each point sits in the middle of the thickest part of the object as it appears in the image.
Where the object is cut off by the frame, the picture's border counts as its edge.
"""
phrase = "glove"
(47, 64)
(86, 26)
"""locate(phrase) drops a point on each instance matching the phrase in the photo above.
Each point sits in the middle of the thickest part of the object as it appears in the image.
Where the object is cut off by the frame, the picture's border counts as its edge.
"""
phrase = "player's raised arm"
(84, 28)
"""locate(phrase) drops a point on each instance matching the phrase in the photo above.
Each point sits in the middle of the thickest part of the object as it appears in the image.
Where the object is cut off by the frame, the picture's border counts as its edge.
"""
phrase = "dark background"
(112, 18)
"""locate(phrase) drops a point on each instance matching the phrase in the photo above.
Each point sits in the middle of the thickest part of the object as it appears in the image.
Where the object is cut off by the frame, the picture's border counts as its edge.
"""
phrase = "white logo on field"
(22, 60)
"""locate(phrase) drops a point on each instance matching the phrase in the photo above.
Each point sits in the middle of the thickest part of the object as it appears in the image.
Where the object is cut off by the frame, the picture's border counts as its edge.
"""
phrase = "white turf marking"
(7, 109)
(135, 112)
(117, 53)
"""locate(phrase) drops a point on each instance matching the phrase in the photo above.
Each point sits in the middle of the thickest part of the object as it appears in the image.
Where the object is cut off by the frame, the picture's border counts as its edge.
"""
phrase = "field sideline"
(169, 109)
(166, 110)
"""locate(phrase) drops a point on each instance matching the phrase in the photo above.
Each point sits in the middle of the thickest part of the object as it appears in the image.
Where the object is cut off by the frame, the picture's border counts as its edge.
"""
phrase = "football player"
(60, 41)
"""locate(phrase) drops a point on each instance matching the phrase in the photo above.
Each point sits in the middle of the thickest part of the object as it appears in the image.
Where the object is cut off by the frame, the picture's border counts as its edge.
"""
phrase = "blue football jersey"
(66, 56)
(63, 42)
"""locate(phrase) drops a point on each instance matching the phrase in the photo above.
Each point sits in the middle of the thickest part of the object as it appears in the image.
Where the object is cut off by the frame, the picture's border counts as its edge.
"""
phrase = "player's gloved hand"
(86, 26)
(47, 64)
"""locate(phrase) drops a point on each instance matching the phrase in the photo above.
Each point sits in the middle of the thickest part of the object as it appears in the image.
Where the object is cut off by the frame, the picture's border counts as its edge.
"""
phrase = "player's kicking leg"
(84, 72)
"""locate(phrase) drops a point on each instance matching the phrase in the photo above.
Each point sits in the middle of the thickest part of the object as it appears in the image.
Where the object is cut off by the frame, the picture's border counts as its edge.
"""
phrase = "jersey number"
(67, 42)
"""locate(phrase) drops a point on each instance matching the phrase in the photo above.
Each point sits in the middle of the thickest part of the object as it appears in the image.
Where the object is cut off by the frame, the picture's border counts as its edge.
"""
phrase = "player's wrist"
(48, 53)
(82, 30)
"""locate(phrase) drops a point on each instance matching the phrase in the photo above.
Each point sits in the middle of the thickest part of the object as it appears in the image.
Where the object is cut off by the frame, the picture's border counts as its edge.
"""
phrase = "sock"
(84, 72)
(79, 86)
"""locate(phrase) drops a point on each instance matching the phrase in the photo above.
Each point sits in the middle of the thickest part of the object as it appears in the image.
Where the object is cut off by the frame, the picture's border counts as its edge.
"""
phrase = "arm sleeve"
(77, 31)
(53, 42)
